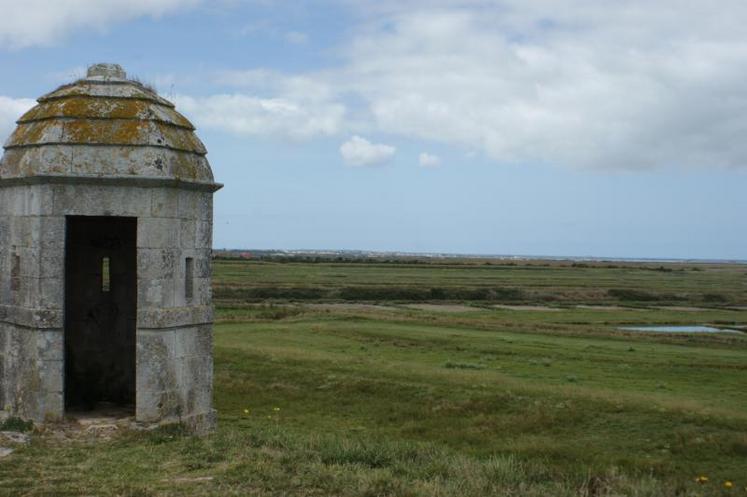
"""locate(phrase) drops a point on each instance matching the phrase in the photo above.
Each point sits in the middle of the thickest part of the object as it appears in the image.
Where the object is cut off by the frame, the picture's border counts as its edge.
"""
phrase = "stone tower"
(105, 257)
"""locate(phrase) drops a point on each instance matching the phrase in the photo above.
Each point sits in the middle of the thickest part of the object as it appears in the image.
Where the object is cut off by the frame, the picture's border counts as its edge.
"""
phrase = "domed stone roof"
(105, 126)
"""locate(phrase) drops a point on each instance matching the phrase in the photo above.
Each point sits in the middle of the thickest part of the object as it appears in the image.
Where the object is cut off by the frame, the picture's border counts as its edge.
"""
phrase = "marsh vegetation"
(333, 378)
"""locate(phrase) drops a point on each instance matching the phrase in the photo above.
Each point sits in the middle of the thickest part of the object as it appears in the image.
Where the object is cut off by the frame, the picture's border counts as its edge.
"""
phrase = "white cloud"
(360, 152)
(427, 160)
(42, 22)
(267, 103)
(10, 110)
(254, 116)
(608, 84)
(604, 84)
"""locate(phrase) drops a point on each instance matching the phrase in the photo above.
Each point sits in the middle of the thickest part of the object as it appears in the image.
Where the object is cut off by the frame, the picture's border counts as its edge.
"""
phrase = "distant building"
(105, 257)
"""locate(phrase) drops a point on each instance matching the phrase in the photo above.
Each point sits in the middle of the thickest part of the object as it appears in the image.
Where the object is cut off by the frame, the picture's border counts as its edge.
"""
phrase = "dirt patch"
(196, 479)
(605, 308)
(97, 425)
(542, 308)
(443, 307)
(350, 307)
(680, 308)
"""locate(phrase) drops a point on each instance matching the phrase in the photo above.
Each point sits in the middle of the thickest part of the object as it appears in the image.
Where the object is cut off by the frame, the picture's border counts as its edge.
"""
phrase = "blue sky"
(509, 127)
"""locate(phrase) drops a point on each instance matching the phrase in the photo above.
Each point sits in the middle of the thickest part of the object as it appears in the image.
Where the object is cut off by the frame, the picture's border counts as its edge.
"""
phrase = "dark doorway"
(100, 312)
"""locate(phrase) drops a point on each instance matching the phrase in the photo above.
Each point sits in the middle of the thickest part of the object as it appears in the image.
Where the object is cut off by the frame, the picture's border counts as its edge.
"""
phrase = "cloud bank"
(585, 84)
(604, 84)
(244, 114)
(43, 22)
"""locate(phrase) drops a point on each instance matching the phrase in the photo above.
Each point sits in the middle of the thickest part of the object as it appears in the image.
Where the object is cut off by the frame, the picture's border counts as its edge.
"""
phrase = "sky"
(608, 128)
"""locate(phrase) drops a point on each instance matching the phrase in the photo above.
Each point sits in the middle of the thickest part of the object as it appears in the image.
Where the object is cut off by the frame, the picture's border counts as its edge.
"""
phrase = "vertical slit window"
(105, 275)
(15, 273)
(189, 271)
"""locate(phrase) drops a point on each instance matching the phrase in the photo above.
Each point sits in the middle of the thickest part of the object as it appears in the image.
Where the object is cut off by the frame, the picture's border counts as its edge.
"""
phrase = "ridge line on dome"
(84, 144)
(105, 82)
(156, 99)
(191, 129)
(144, 181)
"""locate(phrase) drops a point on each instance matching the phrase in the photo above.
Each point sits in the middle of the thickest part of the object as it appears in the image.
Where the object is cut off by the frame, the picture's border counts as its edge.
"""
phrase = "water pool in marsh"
(680, 329)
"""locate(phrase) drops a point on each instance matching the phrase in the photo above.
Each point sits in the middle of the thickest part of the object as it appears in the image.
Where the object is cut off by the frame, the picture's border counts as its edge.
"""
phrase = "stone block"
(94, 200)
(52, 406)
(185, 342)
(155, 293)
(205, 207)
(50, 293)
(157, 406)
(39, 319)
(25, 231)
(51, 374)
(187, 233)
(157, 233)
(155, 361)
(30, 200)
(203, 291)
(51, 345)
(155, 318)
(204, 264)
(52, 262)
(165, 202)
(148, 404)
(205, 340)
(204, 235)
(197, 382)
(156, 263)
(30, 261)
(188, 204)
(53, 234)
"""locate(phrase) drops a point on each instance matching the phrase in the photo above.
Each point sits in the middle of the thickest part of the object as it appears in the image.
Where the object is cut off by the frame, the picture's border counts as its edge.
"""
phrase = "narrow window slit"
(189, 278)
(105, 275)
(15, 273)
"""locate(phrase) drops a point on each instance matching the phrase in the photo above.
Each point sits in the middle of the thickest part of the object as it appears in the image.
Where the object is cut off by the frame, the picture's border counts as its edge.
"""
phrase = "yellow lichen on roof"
(105, 108)
(105, 127)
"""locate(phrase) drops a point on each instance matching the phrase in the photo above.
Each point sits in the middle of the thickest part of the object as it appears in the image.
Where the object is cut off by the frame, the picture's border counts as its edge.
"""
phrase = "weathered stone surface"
(105, 161)
(86, 131)
(114, 90)
(106, 147)
(91, 200)
(93, 107)
(158, 233)
(39, 319)
(159, 318)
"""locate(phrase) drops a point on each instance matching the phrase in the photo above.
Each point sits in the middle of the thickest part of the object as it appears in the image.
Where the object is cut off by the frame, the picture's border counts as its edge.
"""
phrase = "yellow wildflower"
(728, 484)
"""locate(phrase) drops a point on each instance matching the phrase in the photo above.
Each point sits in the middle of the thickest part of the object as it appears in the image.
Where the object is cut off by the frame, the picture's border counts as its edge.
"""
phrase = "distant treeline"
(370, 293)
(455, 294)
(406, 260)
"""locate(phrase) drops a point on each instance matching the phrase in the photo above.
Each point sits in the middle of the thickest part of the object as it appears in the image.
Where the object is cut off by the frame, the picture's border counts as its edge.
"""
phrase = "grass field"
(370, 379)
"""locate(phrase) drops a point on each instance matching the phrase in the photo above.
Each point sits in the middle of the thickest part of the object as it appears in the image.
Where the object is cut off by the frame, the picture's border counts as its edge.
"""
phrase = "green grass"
(458, 280)
(387, 400)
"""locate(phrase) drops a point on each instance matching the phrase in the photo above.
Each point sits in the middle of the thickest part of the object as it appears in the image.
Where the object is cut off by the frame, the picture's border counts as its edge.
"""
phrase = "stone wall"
(174, 330)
